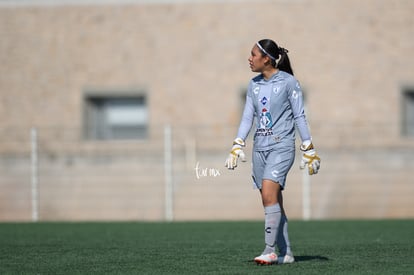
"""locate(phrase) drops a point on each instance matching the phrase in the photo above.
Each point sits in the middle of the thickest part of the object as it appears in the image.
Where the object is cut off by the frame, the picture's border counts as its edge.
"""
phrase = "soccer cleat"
(266, 259)
(287, 259)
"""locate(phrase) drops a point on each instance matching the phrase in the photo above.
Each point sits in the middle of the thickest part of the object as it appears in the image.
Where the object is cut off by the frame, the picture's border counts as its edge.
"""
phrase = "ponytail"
(271, 49)
(284, 62)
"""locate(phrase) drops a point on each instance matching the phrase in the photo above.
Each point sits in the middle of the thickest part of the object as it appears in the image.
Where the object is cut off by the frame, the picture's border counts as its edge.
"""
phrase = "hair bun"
(282, 50)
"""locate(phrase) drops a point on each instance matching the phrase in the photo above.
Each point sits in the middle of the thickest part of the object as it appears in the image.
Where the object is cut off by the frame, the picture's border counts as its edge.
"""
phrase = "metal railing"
(65, 177)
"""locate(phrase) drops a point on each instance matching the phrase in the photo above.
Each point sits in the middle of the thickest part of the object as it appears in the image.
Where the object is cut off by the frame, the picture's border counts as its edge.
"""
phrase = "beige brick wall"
(352, 58)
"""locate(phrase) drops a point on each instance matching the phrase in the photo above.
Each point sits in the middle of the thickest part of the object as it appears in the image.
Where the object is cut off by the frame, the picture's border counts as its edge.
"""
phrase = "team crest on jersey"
(264, 100)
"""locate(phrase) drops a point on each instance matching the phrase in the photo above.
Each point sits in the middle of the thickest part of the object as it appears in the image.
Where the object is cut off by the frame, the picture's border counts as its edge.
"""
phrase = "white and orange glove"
(235, 153)
(309, 158)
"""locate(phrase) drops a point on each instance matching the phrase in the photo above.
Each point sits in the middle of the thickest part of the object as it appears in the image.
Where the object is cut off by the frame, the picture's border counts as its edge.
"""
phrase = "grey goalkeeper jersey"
(276, 105)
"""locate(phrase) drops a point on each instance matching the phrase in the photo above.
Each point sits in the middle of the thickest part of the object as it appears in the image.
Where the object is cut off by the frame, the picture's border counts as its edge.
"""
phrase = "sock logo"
(267, 230)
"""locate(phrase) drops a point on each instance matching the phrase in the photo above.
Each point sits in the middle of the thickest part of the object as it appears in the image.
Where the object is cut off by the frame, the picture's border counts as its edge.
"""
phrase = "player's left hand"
(309, 158)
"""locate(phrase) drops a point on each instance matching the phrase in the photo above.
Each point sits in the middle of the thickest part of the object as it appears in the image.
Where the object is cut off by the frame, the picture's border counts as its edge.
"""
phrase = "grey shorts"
(272, 165)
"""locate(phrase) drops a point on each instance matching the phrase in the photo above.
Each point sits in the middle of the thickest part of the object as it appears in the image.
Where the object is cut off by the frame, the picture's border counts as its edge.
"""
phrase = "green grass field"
(320, 247)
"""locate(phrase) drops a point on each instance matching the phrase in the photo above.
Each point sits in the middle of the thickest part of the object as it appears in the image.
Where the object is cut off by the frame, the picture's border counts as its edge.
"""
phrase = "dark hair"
(270, 48)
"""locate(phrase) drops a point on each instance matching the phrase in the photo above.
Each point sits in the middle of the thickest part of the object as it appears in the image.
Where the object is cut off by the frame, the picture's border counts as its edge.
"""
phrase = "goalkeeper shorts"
(273, 164)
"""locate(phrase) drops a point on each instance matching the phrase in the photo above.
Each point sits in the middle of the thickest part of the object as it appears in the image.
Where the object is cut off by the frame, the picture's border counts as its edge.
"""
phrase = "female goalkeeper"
(274, 101)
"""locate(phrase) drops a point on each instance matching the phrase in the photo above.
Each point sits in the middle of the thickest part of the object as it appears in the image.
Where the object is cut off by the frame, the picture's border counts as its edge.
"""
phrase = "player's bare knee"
(269, 199)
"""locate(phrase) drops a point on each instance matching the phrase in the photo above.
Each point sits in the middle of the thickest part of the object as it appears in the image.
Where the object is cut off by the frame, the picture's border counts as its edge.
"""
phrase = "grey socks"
(273, 217)
(283, 238)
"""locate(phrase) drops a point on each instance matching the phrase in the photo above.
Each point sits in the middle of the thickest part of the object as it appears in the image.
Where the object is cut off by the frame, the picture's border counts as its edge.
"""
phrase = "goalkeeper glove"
(309, 158)
(235, 153)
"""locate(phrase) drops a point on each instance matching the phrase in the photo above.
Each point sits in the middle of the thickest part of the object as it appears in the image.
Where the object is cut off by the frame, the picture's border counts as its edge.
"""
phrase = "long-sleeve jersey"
(276, 105)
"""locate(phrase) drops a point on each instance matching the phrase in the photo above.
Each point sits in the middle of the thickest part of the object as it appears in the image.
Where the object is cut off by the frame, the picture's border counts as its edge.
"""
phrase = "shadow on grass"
(307, 258)
(310, 258)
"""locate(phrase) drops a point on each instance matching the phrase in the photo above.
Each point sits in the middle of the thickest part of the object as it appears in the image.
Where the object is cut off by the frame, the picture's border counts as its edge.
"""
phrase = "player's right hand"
(235, 153)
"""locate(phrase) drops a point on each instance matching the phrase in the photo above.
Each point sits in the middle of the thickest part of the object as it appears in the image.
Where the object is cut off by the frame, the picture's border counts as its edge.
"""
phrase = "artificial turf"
(320, 247)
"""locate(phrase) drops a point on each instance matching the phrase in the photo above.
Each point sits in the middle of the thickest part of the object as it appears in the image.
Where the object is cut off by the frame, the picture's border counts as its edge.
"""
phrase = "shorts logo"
(275, 173)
